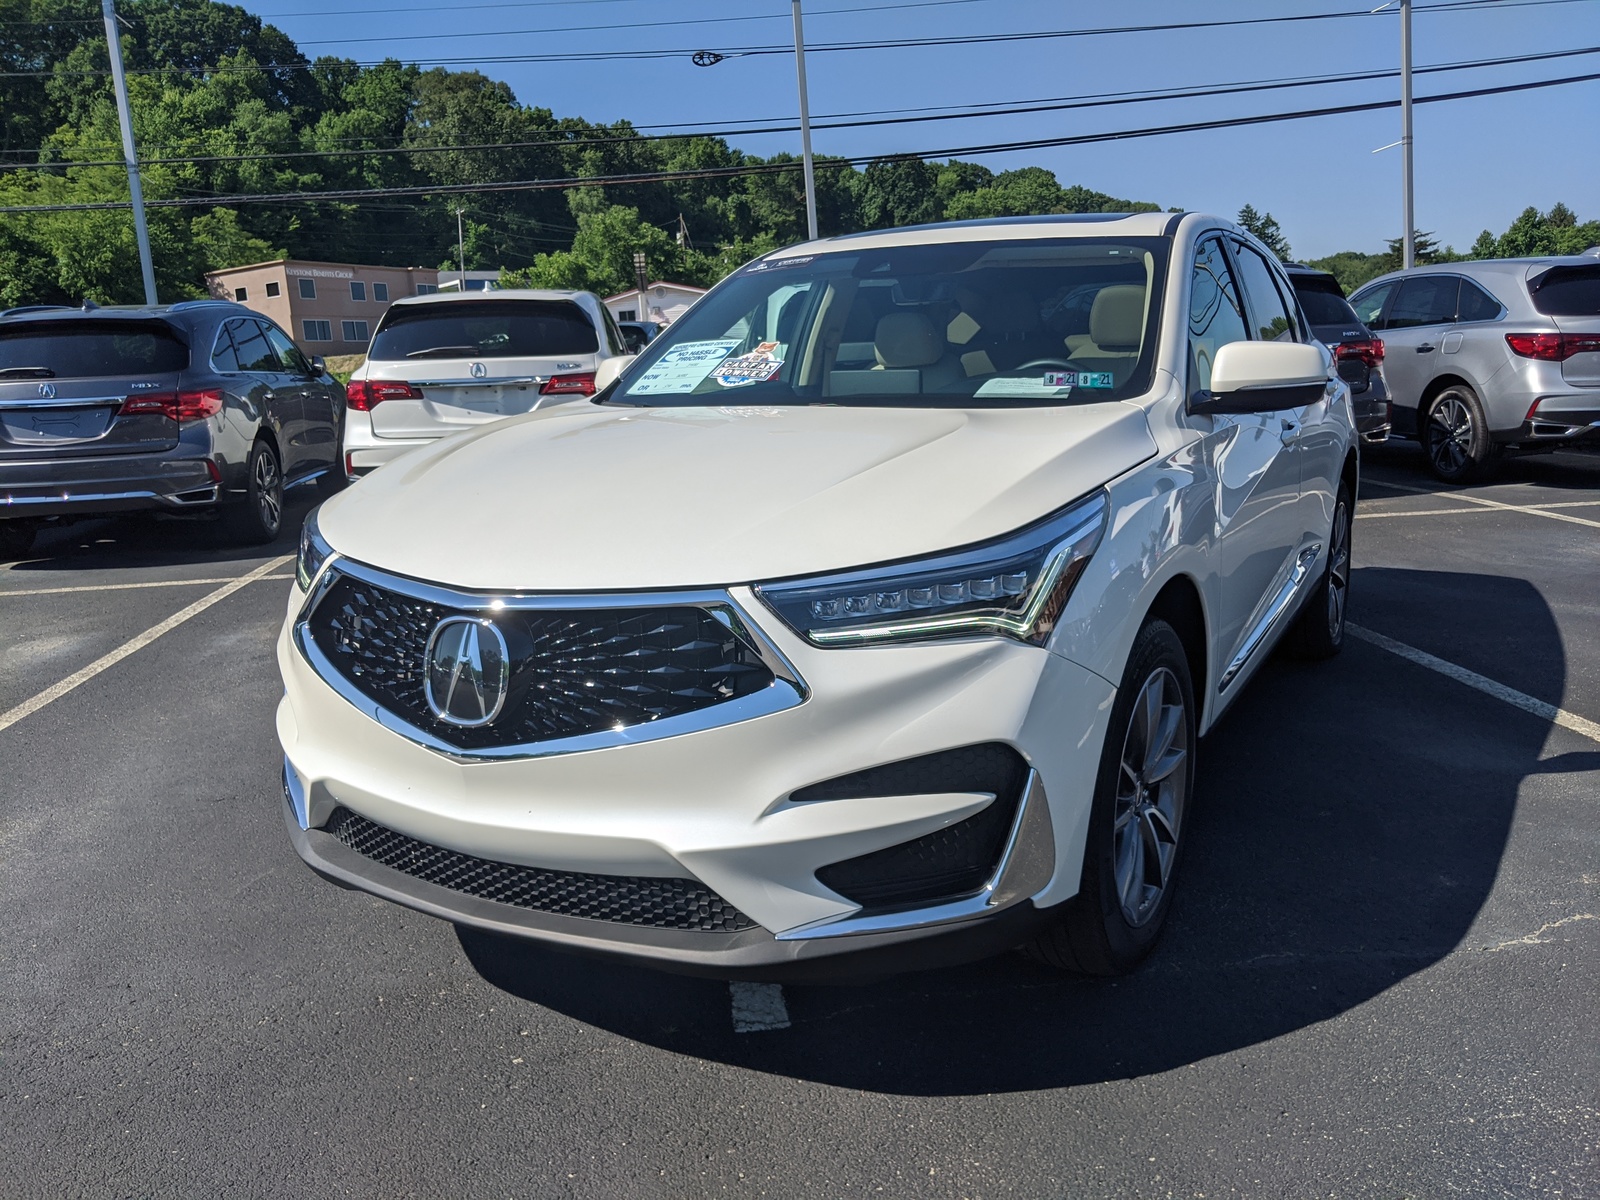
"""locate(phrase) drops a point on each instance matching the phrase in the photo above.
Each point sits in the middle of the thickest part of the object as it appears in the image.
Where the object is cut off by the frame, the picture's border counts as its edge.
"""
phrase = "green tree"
(1265, 226)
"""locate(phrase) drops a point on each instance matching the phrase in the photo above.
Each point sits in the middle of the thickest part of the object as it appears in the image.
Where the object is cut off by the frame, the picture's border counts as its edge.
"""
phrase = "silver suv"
(1493, 356)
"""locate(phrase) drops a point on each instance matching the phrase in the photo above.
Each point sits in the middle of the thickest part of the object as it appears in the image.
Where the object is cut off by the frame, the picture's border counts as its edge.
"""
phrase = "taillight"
(1368, 350)
(364, 395)
(181, 406)
(1553, 347)
(569, 385)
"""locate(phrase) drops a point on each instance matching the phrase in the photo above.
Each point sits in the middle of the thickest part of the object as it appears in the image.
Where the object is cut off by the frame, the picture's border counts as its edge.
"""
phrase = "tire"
(259, 517)
(1455, 436)
(16, 539)
(1319, 629)
(1135, 840)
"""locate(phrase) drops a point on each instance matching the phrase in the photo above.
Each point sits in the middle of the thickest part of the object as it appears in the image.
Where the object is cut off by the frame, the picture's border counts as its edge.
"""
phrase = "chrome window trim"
(1026, 864)
(787, 690)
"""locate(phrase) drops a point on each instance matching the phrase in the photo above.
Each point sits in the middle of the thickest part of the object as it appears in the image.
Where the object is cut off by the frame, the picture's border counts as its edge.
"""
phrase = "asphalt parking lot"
(1379, 979)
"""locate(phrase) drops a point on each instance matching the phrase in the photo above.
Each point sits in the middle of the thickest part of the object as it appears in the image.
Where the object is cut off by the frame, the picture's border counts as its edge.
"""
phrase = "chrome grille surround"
(783, 689)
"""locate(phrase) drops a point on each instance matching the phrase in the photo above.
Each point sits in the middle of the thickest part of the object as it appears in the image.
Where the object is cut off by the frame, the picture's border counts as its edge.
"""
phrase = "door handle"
(1425, 348)
(269, 395)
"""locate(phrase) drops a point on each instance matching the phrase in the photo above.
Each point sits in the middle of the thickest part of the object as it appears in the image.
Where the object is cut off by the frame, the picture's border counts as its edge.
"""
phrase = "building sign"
(320, 273)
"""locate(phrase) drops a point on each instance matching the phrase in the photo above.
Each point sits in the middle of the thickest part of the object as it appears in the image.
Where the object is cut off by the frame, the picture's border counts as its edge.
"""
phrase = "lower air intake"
(621, 899)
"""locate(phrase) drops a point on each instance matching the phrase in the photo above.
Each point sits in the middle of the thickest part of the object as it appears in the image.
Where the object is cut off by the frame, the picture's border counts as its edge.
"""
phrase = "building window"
(308, 289)
(627, 314)
(241, 294)
(273, 289)
(358, 290)
(354, 331)
(380, 293)
(427, 289)
(316, 331)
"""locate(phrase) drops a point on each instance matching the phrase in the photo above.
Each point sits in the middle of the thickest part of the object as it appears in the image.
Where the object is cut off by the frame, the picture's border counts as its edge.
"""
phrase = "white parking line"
(122, 587)
(55, 692)
(758, 1007)
(1541, 511)
(1548, 712)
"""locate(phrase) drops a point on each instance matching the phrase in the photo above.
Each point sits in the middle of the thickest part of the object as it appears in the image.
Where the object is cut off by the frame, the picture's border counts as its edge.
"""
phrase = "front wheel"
(1455, 434)
(259, 518)
(1136, 826)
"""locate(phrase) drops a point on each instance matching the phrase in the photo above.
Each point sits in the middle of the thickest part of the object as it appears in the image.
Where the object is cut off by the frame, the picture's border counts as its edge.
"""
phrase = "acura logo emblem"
(47, 390)
(479, 371)
(468, 665)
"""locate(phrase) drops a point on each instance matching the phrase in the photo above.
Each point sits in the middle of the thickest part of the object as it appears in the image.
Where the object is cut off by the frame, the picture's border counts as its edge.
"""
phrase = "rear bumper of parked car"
(170, 481)
(712, 813)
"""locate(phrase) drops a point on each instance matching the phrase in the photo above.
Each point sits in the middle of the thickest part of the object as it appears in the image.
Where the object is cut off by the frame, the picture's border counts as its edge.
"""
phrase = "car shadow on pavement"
(1349, 824)
(1560, 471)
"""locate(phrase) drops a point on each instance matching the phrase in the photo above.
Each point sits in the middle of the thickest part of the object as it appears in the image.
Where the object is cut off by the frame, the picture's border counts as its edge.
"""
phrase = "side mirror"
(608, 371)
(318, 367)
(1258, 377)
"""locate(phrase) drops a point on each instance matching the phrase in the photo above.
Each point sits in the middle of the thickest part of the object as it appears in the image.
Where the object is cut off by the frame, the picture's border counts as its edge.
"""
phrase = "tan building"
(664, 302)
(328, 308)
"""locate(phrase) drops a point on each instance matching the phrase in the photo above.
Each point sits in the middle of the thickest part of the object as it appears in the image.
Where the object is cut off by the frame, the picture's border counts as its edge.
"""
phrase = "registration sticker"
(682, 368)
(1060, 378)
(1095, 379)
(1027, 387)
(758, 366)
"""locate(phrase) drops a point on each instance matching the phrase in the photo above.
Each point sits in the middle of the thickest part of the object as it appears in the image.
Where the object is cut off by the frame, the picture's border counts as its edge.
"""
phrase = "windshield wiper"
(455, 351)
(26, 373)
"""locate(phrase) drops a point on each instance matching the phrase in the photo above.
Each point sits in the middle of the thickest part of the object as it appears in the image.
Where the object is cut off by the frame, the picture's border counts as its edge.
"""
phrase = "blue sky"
(1479, 161)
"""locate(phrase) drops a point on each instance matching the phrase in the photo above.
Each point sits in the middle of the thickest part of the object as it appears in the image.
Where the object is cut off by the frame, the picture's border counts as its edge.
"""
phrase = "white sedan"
(869, 619)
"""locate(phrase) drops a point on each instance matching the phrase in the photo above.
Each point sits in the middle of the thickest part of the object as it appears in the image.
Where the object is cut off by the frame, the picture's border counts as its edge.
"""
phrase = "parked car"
(182, 407)
(1357, 352)
(824, 669)
(447, 362)
(1490, 357)
(638, 334)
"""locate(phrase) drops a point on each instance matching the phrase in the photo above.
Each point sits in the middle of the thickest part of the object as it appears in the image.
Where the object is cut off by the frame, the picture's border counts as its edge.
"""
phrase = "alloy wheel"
(1450, 435)
(1151, 791)
(269, 499)
(1338, 571)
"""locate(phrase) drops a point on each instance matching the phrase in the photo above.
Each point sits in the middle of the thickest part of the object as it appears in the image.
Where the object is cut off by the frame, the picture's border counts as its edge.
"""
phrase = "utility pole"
(461, 242)
(125, 118)
(1409, 258)
(805, 122)
(641, 279)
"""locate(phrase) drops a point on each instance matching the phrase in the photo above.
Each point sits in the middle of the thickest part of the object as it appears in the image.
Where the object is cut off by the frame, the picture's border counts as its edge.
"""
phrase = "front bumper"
(716, 806)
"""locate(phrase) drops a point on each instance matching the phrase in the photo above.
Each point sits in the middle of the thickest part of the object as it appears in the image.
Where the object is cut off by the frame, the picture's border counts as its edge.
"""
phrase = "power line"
(822, 48)
(1019, 108)
(527, 185)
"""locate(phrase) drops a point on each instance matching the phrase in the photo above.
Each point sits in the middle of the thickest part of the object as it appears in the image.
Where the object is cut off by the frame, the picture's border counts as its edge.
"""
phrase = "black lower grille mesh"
(622, 899)
(950, 862)
(573, 671)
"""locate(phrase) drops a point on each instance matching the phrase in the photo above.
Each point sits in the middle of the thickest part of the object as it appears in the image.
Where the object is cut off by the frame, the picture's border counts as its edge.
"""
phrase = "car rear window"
(1325, 308)
(91, 348)
(485, 329)
(1567, 291)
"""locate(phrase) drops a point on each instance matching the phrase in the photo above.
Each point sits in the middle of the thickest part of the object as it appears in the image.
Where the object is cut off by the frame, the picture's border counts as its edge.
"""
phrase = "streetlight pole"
(1409, 259)
(805, 122)
(125, 118)
(461, 249)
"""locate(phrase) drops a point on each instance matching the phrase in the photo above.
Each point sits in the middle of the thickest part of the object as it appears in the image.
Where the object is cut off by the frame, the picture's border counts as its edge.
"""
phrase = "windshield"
(1031, 322)
(90, 348)
(485, 329)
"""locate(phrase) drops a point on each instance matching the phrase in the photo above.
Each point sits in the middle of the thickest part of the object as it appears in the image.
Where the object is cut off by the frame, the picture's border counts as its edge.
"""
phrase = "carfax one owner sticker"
(758, 366)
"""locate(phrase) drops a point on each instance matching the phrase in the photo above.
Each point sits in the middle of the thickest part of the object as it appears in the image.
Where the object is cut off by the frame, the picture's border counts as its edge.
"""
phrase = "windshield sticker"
(1046, 387)
(778, 264)
(758, 366)
(682, 368)
(1095, 379)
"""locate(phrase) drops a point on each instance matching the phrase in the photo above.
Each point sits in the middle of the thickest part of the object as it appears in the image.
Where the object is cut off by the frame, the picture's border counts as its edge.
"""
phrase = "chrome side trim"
(1280, 605)
(786, 691)
(1026, 865)
(64, 402)
(71, 497)
(295, 794)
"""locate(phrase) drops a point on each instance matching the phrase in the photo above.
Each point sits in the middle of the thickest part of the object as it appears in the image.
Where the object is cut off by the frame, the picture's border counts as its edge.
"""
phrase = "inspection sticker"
(682, 368)
(1095, 379)
(1051, 385)
(758, 366)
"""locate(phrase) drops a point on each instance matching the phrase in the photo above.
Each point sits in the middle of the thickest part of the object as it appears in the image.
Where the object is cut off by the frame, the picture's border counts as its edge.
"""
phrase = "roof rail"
(28, 308)
(183, 305)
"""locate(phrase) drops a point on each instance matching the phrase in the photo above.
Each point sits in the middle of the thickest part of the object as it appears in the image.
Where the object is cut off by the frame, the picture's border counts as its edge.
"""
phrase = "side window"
(1215, 314)
(250, 345)
(1477, 304)
(1272, 319)
(1424, 300)
(1369, 304)
(619, 343)
(222, 356)
(288, 352)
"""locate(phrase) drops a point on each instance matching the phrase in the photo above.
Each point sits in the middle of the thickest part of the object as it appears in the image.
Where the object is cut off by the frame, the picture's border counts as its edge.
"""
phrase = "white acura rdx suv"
(869, 619)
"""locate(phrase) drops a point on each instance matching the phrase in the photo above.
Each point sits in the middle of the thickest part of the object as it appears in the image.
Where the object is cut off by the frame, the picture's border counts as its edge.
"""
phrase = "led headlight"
(1013, 587)
(313, 553)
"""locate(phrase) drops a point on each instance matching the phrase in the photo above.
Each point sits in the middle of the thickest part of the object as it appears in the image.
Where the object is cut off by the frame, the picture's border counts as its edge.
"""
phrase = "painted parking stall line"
(1543, 510)
(758, 1007)
(1482, 683)
(135, 644)
(128, 587)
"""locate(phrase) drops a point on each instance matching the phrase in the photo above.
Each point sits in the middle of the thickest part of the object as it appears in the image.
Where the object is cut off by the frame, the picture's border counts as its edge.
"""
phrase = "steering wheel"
(1047, 362)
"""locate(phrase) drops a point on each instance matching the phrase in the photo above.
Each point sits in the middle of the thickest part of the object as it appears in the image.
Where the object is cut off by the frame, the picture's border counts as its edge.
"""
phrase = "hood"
(592, 498)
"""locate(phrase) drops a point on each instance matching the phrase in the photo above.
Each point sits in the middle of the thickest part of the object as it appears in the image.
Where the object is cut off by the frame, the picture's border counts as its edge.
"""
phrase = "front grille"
(572, 671)
(620, 899)
(949, 863)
